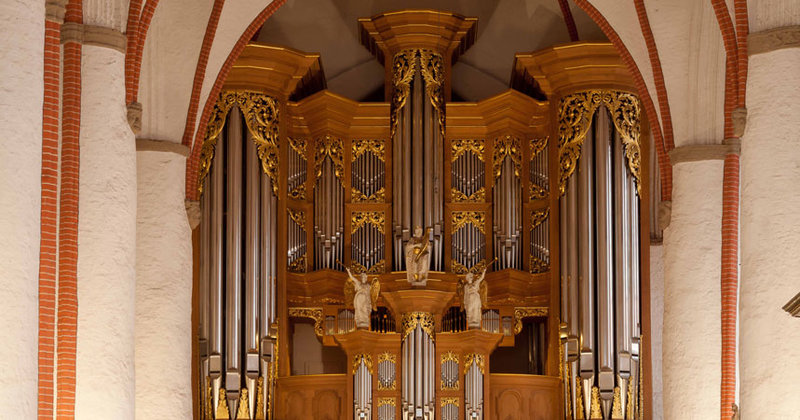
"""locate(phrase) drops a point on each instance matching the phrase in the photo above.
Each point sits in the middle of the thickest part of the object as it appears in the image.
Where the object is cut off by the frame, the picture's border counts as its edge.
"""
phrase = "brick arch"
(136, 32)
(647, 101)
(193, 162)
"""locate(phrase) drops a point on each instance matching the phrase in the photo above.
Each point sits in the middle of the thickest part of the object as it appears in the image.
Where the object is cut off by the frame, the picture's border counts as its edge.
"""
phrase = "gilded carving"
(209, 403)
(461, 146)
(244, 405)
(538, 192)
(332, 147)
(595, 412)
(385, 401)
(298, 265)
(404, 66)
(312, 313)
(360, 218)
(507, 146)
(377, 268)
(432, 69)
(383, 383)
(298, 216)
(478, 359)
(261, 115)
(539, 216)
(449, 384)
(616, 405)
(449, 401)
(377, 147)
(362, 357)
(476, 197)
(580, 413)
(524, 312)
(299, 147)
(376, 197)
(475, 218)
(259, 415)
(410, 320)
(222, 406)
(537, 265)
(575, 117)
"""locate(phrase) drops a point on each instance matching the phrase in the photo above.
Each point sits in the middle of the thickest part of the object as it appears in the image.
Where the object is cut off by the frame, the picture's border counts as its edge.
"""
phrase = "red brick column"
(68, 221)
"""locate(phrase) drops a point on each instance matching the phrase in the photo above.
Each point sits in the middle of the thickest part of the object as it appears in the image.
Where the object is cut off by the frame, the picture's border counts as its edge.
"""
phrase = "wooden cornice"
(509, 112)
(279, 71)
(568, 68)
(326, 113)
(386, 34)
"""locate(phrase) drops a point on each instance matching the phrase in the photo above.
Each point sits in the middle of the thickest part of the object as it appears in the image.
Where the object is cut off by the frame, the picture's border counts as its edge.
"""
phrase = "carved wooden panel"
(317, 397)
(524, 397)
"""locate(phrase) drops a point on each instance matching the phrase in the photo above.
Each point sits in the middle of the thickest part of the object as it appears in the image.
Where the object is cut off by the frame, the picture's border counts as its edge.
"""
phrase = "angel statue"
(418, 257)
(361, 295)
(473, 296)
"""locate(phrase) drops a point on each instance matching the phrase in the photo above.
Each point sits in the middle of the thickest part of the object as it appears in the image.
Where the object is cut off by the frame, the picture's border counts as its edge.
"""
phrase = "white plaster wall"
(692, 57)
(106, 242)
(768, 14)
(657, 326)
(770, 244)
(21, 91)
(163, 289)
(691, 331)
(169, 59)
(107, 13)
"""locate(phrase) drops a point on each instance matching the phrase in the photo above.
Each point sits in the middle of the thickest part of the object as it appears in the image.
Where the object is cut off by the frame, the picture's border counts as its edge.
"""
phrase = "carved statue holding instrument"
(362, 295)
(418, 257)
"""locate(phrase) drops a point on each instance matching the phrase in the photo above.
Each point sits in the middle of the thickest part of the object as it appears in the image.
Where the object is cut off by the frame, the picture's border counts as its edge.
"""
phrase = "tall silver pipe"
(217, 261)
(206, 257)
(622, 271)
(605, 224)
(635, 288)
(586, 262)
(252, 221)
(417, 152)
(233, 280)
(572, 254)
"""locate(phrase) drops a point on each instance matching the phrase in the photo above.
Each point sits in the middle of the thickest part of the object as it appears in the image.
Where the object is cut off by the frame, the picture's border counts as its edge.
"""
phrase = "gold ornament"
(461, 146)
(312, 313)
(445, 401)
(410, 320)
(376, 197)
(525, 312)
(259, 415)
(362, 357)
(479, 360)
(476, 197)
(299, 147)
(616, 406)
(595, 413)
(244, 406)
(360, 218)
(222, 406)
(377, 147)
(475, 218)
(332, 147)
(575, 118)
(507, 146)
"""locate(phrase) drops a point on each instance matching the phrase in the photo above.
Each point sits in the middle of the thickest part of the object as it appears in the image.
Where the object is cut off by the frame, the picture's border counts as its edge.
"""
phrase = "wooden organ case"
(298, 181)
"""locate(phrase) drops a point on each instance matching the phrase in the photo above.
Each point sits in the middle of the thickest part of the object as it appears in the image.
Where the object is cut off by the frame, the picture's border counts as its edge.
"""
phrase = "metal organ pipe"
(622, 269)
(233, 257)
(217, 262)
(252, 205)
(586, 262)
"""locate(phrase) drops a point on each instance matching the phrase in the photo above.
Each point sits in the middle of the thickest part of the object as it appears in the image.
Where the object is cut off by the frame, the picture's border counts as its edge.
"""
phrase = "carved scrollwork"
(377, 147)
(299, 147)
(445, 401)
(377, 268)
(538, 145)
(506, 146)
(261, 114)
(479, 360)
(575, 117)
(476, 218)
(333, 147)
(410, 320)
(476, 197)
(298, 216)
(525, 312)
(404, 66)
(312, 313)
(360, 218)
(362, 357)
(377, 197)
(461, 146)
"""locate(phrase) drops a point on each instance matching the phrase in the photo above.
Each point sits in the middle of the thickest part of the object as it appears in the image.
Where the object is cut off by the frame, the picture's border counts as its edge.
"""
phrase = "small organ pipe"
(634, 266)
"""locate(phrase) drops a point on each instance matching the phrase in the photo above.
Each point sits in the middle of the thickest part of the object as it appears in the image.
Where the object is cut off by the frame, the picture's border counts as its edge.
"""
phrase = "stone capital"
(773, 39)
(135, 117)
(97, 36)
(54, 10)
(701, 152)
(150, 145)
(193, 213)
(664, 214)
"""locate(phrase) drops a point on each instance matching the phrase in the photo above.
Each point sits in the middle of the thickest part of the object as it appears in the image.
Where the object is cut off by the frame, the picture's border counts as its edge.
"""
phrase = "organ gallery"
(420, 257)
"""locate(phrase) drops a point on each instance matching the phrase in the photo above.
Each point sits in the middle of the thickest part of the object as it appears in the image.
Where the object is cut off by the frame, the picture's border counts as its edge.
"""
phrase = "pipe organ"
(417, 131)
(600, 272)
(238, 275)
(536, 190)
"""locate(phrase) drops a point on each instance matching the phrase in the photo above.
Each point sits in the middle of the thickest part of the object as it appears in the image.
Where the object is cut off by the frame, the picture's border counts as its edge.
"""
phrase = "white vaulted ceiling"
(505, 27)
